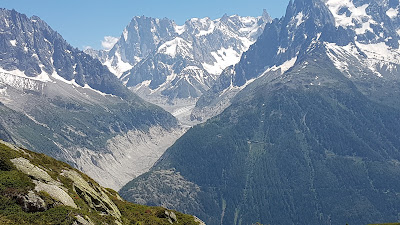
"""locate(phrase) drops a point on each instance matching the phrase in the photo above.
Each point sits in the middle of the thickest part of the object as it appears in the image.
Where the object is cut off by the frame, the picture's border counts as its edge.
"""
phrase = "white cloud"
(108, 42)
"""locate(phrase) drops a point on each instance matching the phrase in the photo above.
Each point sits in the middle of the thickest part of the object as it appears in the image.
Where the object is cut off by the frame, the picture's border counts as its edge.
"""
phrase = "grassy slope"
(13, 182)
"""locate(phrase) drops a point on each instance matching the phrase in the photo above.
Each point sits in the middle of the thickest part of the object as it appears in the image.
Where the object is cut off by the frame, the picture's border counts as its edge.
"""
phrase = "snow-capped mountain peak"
(177, 46)
(141, 37)
(164, 62)
(372, 21)
(360, 37)
(346, 14)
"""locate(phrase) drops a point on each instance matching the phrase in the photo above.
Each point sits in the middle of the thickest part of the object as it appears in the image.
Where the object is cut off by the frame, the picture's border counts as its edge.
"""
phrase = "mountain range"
(306, 126)
(298, 118)
(361, 37)
(57, 100)
(171, 65)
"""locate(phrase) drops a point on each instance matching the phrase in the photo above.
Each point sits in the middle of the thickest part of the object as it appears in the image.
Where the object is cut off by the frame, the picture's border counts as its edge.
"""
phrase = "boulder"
(171, 216)
(31, 202)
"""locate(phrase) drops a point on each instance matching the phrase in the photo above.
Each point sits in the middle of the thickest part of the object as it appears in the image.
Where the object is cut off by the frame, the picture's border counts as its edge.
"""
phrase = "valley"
(235, 120)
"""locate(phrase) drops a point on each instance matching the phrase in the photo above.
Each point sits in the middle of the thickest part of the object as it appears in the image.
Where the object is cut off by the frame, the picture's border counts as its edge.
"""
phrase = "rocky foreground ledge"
(37, 189)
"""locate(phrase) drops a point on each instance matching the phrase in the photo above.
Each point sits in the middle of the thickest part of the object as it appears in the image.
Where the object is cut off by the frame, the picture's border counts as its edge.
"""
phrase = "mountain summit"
(171, 65)
(363, 34)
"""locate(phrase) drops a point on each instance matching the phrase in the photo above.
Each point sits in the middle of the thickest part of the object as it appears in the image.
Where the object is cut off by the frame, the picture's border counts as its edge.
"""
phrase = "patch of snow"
(153, 28)
(137, 59)
(43, 77)
(247, 42)
(380, 51)
(180, 29)
(75, 69)
(340, 55)
(13, 42)
(176, 46)
(73, 82)
(3, 91)
(34, 55)
(250, 24)
(60, 78)
(364, 28)
(18, 73)
(233, 88)
(206, 32)
(145, 83)
(245, 29)
(392, 13)
(248, 20)
(288, 64)
(47, 41)
(20, 83)
(92, 89)
(125, 34)
(224, 57)
(248, 82)
(378, 56)
(6, 21)
(281, 50)
(358, 14)
(120, 66)
(283, 67)
(299, 18)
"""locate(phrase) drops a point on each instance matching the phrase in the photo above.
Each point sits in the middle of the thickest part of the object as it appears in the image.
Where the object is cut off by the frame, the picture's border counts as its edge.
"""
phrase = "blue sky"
(86, 22)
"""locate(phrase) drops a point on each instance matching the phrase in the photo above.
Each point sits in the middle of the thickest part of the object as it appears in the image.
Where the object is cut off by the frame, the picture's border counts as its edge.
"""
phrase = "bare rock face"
(31, 202)
(199, 221)
(171, 216)
(28, 168)
(94, 196)
(82, 221)
(44, 182)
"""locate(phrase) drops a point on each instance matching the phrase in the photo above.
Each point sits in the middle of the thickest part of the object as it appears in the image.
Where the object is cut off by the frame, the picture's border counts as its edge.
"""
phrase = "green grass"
(14, 183)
